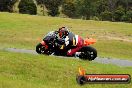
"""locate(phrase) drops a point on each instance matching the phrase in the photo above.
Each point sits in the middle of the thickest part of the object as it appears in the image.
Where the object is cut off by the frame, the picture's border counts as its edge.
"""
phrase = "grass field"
(37, 71)
(25, 31)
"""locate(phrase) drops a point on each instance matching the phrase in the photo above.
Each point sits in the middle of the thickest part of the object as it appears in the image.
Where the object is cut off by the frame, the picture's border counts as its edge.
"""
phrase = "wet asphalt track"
(119, 62)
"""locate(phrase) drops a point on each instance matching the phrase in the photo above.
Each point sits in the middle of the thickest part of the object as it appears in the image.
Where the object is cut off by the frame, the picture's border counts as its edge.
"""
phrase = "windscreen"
(51, 33)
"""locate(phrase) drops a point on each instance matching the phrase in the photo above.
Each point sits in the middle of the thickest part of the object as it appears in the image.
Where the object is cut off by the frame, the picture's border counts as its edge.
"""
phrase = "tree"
(125, 18)
(112, 5)
(41, 3)
(27, 7)
(51, 5)
(112, 10)
(129, 15)
(119, 13)
(106, 15)
(129, 4)
(85, 8)
(123, 3)
(7, 5)
(69, 9)
(102, 5)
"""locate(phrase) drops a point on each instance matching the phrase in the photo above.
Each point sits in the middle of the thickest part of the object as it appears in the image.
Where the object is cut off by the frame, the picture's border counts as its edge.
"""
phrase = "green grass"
(114, 39)
(37, 71)
(114, 48)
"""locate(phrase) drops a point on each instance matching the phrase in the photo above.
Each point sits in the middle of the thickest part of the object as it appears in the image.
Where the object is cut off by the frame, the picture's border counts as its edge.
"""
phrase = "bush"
(124, 18)
(118, 14)
(129, 15)
(7, 5)
(106, 16)
(94, 18)
(69, 9)
(52, 6)
(27, 7)
(53, 12)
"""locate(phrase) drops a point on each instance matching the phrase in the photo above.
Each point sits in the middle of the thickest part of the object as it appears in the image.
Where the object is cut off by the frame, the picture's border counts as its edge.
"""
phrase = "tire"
(88, 53)
(39, 48)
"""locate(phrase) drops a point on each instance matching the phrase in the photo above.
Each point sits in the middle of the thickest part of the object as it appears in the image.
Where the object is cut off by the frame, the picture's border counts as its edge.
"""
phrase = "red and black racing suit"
(73, 43)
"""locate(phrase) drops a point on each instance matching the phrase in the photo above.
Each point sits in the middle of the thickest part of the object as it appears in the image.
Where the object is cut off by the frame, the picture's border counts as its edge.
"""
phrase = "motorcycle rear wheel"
(88, 53)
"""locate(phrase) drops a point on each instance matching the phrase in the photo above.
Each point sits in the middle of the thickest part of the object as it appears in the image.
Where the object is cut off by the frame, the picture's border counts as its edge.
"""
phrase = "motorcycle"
(49, 46)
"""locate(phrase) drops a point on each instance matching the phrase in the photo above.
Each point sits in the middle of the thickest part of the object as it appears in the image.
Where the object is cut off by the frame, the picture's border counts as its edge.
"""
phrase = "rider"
(72, 42)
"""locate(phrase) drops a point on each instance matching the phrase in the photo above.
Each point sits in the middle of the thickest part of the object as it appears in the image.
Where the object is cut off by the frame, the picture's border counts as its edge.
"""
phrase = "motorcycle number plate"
(67, 41)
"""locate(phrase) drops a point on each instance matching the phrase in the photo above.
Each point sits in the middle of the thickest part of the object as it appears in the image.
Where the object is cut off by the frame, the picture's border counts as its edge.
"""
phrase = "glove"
(59, 46)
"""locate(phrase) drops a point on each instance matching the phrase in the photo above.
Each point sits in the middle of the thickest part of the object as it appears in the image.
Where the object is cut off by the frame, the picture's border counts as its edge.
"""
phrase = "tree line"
(105, 10)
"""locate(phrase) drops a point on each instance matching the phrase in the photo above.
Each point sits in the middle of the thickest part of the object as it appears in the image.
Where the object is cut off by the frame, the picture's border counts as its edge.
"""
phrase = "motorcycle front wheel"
(40, 49)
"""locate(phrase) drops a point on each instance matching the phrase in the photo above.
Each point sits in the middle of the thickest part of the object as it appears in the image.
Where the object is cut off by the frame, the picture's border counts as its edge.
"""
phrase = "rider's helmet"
(63, 32)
